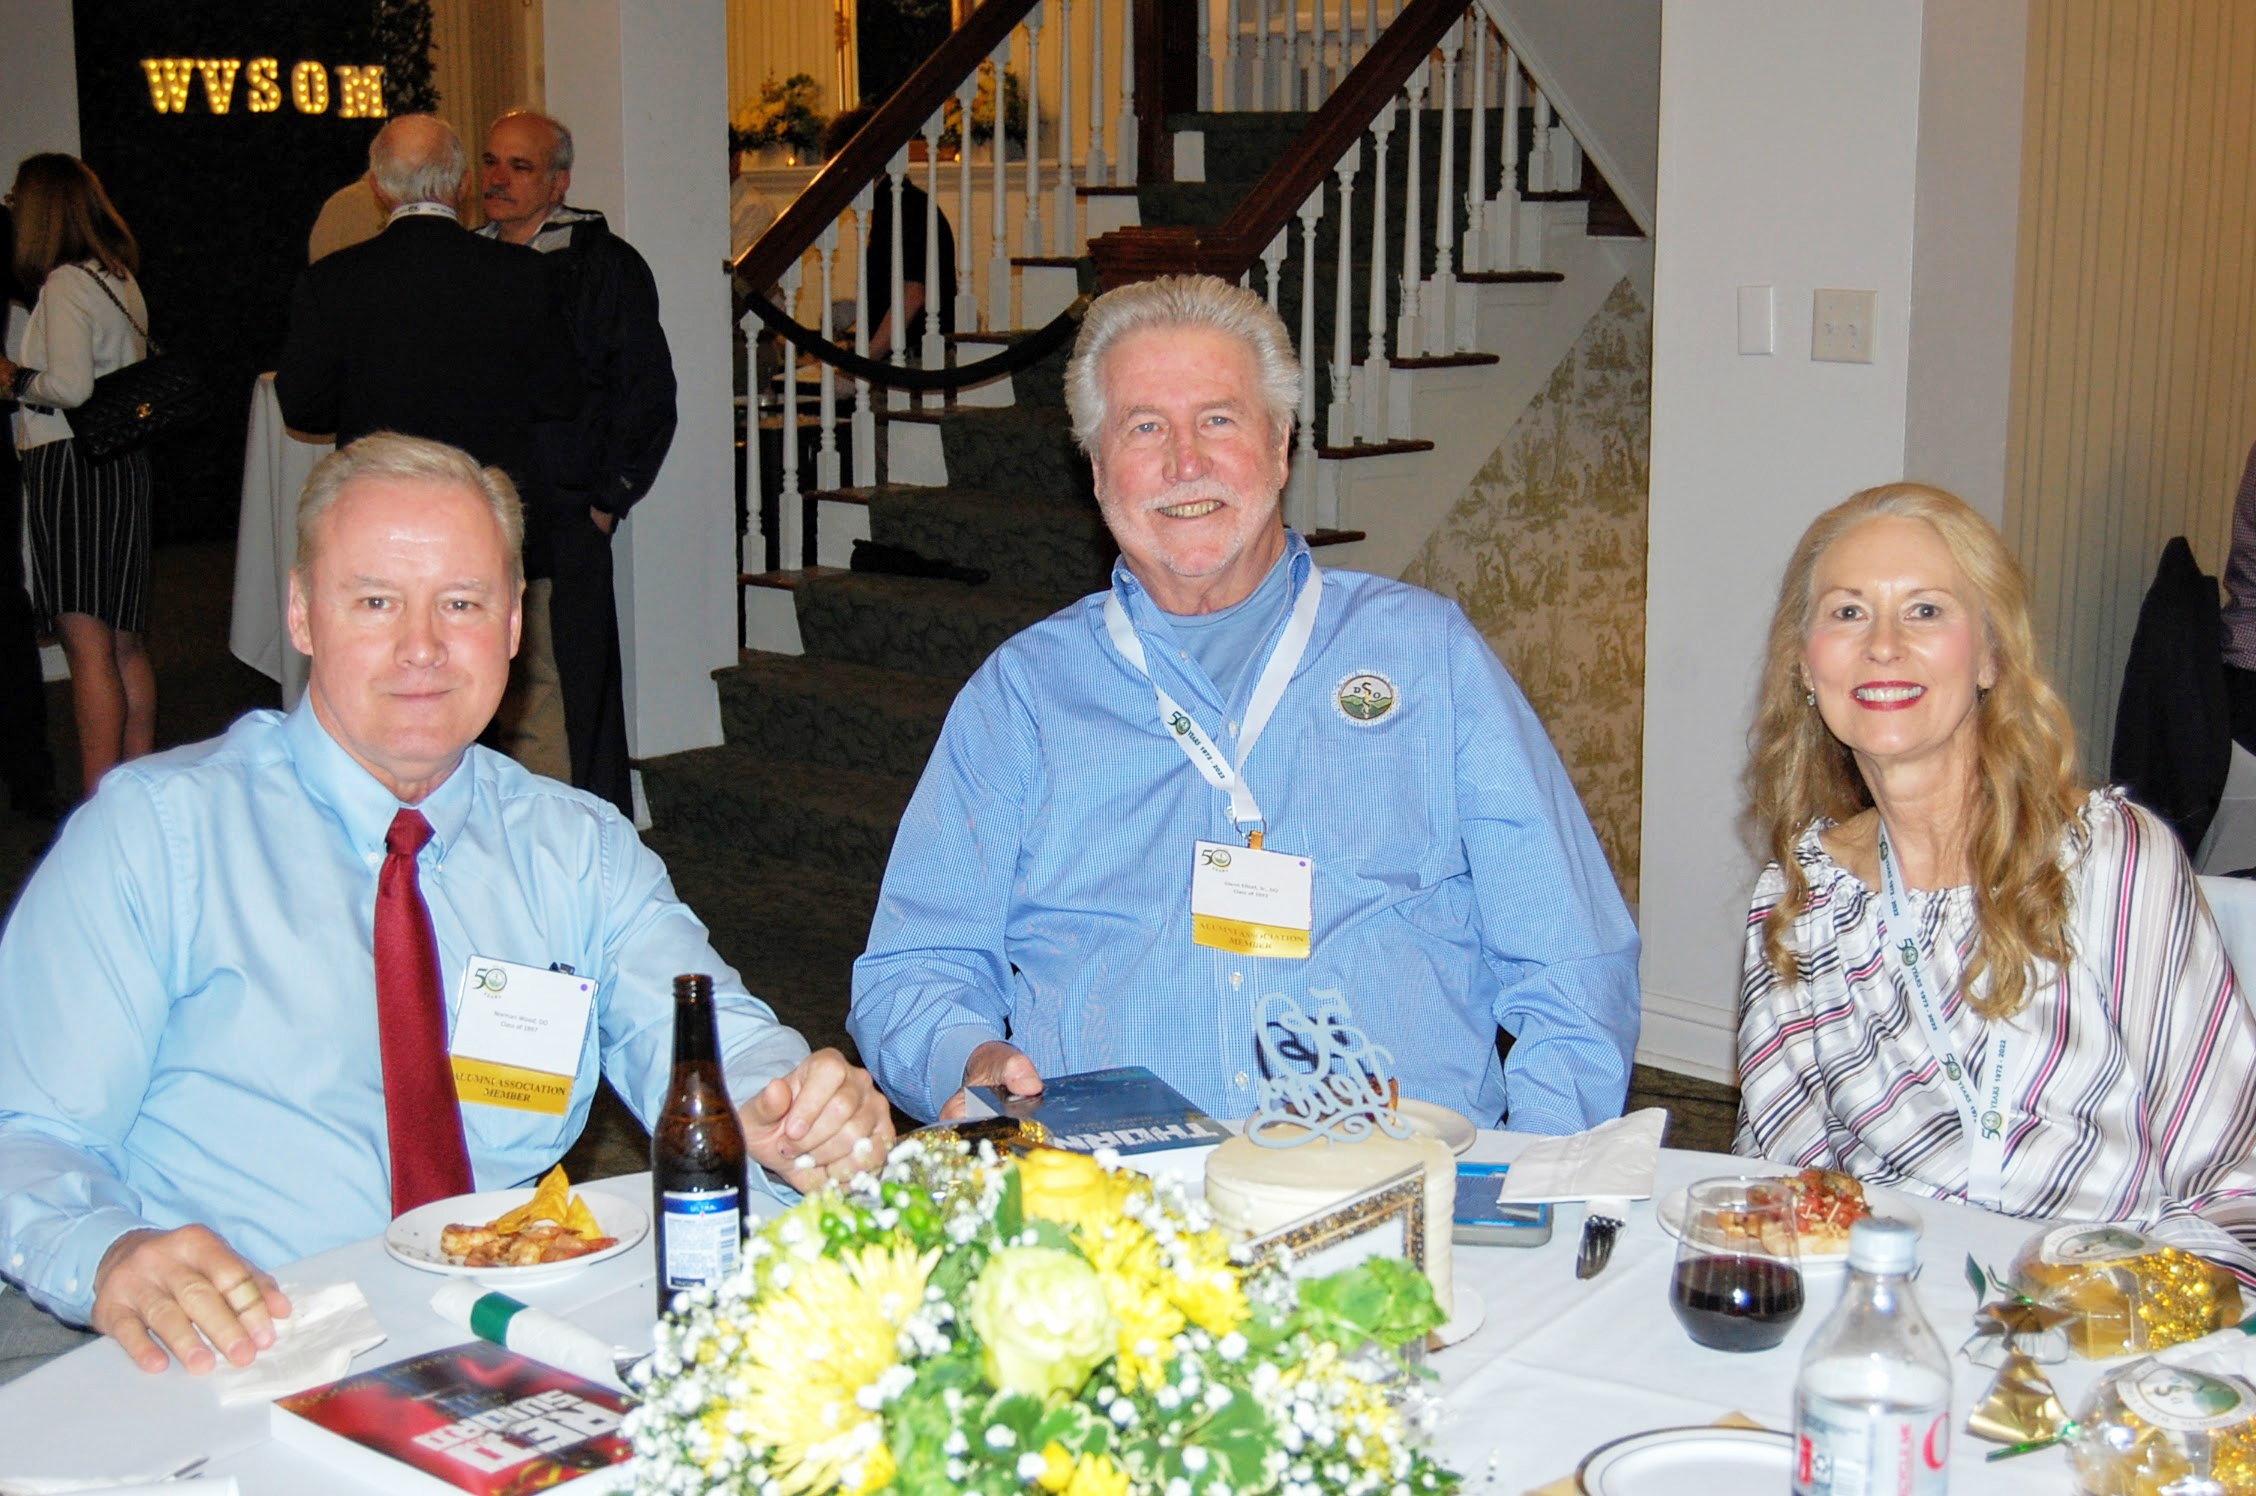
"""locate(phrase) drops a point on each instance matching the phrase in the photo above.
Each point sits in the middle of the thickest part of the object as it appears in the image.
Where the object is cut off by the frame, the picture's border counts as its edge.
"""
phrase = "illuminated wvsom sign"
(359, 93)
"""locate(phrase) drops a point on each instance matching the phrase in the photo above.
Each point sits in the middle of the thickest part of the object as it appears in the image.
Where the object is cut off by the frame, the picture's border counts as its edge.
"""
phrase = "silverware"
(1599, 1228)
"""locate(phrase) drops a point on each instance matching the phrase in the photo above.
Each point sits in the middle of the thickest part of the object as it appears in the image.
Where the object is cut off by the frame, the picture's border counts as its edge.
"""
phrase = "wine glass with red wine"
(1738, 1280)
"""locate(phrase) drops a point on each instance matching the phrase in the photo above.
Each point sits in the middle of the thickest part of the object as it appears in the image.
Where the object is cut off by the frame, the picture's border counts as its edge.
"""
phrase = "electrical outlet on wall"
(1841, 327)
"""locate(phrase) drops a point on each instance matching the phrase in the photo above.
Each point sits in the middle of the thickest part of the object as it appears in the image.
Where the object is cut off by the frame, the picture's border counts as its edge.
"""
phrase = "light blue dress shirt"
(188, 1009)
(1039, 889)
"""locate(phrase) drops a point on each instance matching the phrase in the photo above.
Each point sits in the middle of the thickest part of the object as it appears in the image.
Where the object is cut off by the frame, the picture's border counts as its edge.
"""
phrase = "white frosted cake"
(1255, 1190)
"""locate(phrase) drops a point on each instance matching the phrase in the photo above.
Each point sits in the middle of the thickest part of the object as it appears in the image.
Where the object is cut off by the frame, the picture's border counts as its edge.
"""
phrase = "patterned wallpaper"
(1546, 554)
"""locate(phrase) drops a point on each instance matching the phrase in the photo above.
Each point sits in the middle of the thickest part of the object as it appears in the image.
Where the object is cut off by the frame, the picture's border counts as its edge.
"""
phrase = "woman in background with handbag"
(88, 518)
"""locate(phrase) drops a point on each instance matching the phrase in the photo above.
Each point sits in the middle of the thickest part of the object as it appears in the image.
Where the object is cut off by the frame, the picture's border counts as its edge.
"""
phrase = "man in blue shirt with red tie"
(1235, 775)
(233, 1029)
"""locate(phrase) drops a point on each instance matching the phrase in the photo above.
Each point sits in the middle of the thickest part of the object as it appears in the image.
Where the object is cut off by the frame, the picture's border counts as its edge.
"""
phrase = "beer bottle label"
(700, 1237)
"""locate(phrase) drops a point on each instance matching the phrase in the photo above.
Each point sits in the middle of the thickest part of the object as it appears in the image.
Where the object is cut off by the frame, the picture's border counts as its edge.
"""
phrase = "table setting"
(1572, 1370)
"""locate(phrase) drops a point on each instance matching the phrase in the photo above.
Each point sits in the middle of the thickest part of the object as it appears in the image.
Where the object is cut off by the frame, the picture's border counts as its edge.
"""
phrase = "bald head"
(416, 158)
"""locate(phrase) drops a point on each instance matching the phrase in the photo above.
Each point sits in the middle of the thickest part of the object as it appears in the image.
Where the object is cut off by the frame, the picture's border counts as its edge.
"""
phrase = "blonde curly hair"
(2026, 793)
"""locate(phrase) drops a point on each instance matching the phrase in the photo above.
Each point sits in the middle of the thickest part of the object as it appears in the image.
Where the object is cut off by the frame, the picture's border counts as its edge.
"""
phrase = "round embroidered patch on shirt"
(1365, 697)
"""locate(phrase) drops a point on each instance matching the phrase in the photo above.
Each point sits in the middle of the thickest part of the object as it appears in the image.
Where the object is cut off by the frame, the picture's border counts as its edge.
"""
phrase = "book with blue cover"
(1129, 1110)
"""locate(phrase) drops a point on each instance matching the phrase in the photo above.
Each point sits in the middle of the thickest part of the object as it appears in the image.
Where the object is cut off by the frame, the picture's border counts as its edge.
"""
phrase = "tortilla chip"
(549, 1201)
(579, 1220)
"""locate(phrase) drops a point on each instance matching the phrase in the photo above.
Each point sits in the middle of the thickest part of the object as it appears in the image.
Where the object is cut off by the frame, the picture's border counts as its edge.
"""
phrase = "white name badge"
(518, 1032)
(1250, 902)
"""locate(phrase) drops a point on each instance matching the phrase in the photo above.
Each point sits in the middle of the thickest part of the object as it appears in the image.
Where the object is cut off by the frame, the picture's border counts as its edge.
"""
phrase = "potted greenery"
(781, 125)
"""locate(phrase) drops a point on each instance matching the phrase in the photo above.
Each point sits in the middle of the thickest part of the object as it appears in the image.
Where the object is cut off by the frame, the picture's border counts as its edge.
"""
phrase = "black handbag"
(135, 405)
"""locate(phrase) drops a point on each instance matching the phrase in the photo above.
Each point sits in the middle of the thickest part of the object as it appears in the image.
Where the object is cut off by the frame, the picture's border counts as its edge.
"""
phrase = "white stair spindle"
(1272, 262)
(1409, 331)
(1032, 239)
(1539, 148)
(1504, 209)
(1296, 59)
(1533, 215)
(1205, 55)
(1319, 76)
(1098, 174)
(1566, 160)
(932, 352)
(897, 347)
(1474, 259)
(1339, 415)
(1377, 373)
(998, 307)
(968, 314)
(862, 428)
(1063, 222)
(1438, 306)
(1264, 57)
(1300, 485)
(1125, 131)
(791, 539)
(752, 544)
(1233, 52)
(826, 398)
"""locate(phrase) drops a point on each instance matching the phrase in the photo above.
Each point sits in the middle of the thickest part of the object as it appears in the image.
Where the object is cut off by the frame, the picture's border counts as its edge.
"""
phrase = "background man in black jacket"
(597, 465)
(427, 329)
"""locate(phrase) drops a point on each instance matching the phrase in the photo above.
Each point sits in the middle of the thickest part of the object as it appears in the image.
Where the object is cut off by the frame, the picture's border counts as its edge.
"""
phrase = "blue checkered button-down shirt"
(1040, 886)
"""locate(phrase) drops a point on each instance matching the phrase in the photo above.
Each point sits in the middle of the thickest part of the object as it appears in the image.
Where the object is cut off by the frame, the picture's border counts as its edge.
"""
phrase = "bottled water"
(1872, 1406)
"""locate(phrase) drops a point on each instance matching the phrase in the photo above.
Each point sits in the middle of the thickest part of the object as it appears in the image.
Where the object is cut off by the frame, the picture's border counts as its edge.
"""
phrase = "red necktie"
(421, 1112)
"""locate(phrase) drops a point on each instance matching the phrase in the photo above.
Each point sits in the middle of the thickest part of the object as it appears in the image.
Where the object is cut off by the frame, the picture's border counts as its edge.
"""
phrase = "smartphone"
(1481, 1221)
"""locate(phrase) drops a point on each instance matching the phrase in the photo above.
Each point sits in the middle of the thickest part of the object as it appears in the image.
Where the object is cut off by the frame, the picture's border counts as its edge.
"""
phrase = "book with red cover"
(473, 1417)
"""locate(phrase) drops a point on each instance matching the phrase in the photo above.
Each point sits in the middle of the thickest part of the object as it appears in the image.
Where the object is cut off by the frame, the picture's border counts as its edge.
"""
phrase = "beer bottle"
(697, 1160)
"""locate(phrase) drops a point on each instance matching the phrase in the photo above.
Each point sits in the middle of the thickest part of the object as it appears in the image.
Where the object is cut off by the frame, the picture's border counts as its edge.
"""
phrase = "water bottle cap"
(1880, 1245)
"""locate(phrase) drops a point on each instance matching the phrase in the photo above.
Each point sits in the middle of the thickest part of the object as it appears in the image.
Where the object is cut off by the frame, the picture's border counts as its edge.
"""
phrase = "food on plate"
(554, 1226)
(1826, 1204)
(2124, 1291)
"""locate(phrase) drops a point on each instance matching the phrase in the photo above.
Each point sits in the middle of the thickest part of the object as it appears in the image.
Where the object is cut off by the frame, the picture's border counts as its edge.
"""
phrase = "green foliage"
(784, 113)
(403, 46)
(1383, 1300)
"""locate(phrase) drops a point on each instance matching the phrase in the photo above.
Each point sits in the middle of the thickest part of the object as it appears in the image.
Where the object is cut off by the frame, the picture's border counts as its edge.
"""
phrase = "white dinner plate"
(1452, 1127)
(1884, 1202)
(1701, 1461)
(414, 1237)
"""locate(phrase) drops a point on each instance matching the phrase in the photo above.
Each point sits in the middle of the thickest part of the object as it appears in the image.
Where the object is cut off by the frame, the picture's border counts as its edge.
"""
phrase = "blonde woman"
(88, 521)
(1966, 975)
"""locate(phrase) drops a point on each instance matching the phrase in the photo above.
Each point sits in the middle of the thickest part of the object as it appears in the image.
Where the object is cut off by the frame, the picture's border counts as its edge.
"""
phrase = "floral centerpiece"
(782, 114)
(1044, 1327)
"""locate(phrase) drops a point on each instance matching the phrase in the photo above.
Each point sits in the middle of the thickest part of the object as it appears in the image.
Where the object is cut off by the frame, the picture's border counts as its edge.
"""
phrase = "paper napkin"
(1614, 1158)
(536, 1333)
(326, 1328)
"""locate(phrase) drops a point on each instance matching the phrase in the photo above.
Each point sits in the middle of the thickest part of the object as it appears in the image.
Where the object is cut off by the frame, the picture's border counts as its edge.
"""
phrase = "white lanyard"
(1982, 1123)
(1222, 773)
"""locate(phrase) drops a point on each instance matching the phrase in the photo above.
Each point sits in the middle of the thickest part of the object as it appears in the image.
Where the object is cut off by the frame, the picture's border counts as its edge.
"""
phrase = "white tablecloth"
(275, 463)
(1557, 1368)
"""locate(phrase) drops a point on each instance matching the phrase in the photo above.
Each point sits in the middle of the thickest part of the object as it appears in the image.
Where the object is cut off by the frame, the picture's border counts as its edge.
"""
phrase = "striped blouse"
(2132, 1089)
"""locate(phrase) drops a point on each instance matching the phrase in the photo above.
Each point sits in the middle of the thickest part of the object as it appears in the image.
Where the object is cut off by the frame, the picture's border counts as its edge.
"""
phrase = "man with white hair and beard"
(1394, 823)
(427, 329)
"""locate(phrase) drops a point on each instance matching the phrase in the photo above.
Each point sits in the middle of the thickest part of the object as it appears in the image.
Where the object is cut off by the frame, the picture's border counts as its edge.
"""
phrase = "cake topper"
(1321, 1076)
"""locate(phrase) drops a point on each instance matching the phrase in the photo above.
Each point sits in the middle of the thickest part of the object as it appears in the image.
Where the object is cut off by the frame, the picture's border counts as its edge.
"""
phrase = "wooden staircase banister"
(900, 117)
(1229, 250)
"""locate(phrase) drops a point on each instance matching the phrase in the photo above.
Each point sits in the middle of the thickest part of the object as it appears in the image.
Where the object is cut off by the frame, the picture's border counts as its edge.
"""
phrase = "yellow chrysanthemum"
(1071, 1189)
(877, 1472)
(1211, 1295)
(1057, 1467)
(1127, 1263)
(1090, 1475)
(811, 1347)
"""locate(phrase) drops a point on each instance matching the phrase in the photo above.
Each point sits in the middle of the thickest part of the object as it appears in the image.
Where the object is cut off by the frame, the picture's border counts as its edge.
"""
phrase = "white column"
(644, 86)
